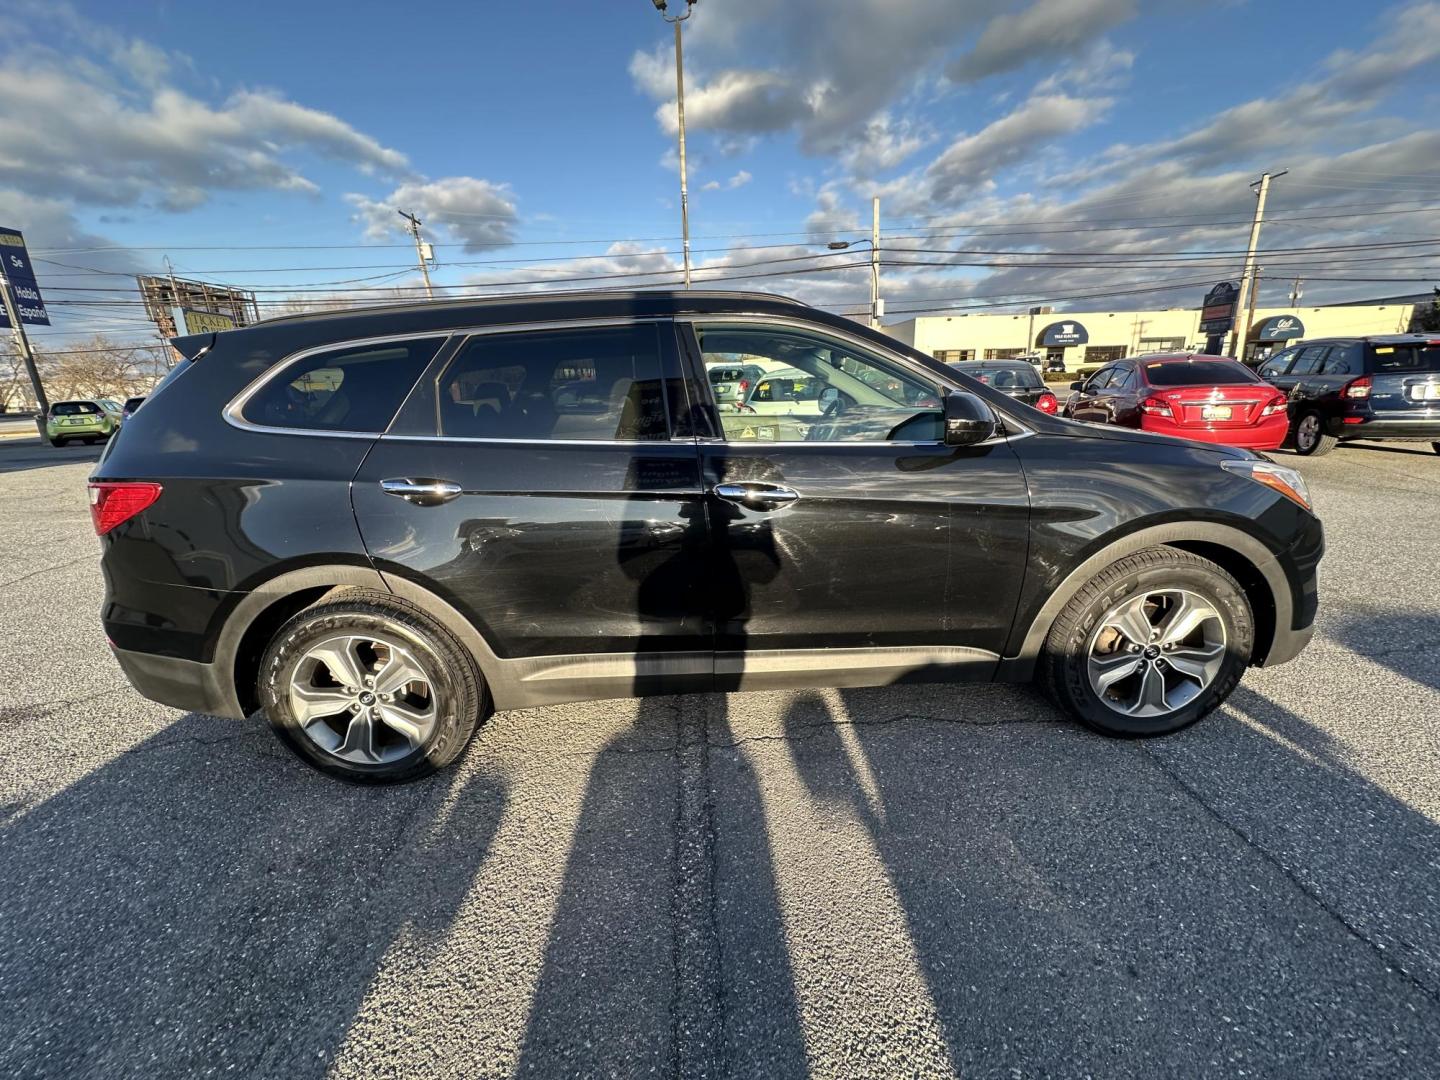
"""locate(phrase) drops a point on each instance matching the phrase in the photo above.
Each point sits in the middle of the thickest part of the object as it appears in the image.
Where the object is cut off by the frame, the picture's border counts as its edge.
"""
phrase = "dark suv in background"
(378, 524)
(1385, 387)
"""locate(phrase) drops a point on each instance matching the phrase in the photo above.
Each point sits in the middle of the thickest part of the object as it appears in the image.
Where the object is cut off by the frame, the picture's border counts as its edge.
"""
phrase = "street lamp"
(662, 6)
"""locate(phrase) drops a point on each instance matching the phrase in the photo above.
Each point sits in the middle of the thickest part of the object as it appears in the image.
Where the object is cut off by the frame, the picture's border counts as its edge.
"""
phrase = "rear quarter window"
(1406, 358)
(350, 389)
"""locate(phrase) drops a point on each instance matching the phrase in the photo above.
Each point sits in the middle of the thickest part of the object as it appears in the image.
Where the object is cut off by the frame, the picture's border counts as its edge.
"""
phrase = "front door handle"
(757, 495)
(422, 491)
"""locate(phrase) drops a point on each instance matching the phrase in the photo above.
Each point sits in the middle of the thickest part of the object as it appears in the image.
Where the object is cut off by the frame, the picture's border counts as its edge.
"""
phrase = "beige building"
(1084, 338)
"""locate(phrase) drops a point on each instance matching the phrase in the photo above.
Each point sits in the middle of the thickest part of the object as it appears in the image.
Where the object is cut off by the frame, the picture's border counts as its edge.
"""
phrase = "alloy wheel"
(1155, 652)
(1307, 431)
(363, 698)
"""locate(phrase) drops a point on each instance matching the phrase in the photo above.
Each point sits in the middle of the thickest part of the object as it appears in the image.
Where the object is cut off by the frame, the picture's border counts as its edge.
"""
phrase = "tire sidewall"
(1223, 592)
(457, 704)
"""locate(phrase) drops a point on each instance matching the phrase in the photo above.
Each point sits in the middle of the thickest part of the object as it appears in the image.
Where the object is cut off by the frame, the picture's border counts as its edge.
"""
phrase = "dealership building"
(1085, 338)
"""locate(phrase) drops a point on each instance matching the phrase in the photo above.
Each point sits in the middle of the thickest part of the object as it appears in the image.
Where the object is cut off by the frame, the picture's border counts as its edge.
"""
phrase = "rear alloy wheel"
(370, 689)
(1150, 645)
(1310, 437)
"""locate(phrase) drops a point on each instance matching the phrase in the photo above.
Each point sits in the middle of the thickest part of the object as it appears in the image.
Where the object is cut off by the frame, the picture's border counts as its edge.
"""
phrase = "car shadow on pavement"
(205, 904)
(1406, 642)
(20, 456)
(1087, 906)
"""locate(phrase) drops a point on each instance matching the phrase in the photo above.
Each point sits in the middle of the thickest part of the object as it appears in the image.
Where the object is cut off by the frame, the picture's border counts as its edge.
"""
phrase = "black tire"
(58, 442)
(459, 696)
(1063, 671)
(1435, 446)
(1316, 445)
(88, 441)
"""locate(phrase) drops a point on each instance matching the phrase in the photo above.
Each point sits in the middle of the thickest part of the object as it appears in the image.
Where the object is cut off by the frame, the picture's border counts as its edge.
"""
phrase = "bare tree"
(100, 367)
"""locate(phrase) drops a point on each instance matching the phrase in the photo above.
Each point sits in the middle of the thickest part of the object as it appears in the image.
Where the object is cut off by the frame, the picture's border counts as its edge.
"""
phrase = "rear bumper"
(1266, 435)
(1422, 425)
(1287, 645)
(77, 431)
(181, 684)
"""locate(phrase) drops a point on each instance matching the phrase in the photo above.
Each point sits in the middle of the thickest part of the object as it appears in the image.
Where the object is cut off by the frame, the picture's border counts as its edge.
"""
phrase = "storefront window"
(953, 356)
(1004, 354)
(1104, 354)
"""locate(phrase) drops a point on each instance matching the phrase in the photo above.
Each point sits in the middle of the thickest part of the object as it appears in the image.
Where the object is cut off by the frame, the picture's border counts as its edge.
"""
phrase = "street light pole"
(675, 20)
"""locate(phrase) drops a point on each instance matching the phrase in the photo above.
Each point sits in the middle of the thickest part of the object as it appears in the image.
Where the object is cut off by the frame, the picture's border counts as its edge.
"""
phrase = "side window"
(817, 389)
(1309, 360)
(1278, 364)
(1343, 360)
(1125, 379)
(349, 389)
(592, 384)
(1100, 380)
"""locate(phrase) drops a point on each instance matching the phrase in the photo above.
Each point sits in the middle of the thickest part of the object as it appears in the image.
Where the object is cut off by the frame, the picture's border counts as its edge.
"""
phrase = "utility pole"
(675, 21)
(1297, 290)
(420, 247)
(27, 354)
(876, 304)
(1247, 279)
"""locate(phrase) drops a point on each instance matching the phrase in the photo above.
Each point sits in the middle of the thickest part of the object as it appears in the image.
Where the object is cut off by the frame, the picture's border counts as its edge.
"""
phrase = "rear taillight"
(1275, 407)
(744, 385)
(1157, 407)
(1048, 403)
(1357, 389)
(113, 503)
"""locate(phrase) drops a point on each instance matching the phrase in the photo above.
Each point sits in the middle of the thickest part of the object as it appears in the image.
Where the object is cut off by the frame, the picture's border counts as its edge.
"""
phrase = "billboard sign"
(206, 322)
(1217, 310)
(21, 276)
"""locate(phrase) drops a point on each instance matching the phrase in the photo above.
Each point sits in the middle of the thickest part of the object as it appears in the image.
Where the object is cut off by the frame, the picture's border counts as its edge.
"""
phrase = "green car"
(90, 420)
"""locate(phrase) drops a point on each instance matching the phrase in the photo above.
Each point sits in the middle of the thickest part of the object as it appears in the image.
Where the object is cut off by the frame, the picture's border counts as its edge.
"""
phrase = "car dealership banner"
(21, 276)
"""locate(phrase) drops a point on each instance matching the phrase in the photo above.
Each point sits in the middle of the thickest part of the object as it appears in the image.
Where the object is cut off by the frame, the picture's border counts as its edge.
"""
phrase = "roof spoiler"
(191, 346)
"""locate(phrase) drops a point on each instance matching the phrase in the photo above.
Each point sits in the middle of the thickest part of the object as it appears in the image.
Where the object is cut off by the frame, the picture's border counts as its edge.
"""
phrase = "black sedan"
(1016, 378)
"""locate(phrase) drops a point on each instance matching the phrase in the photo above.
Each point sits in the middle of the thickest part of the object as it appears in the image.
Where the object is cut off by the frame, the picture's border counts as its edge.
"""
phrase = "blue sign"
(1059, 335)
(1280, 328)
(15, 264)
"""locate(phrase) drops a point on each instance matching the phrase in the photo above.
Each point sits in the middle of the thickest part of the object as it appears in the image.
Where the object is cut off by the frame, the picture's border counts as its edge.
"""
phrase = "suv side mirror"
(968, 420)
(1078, 385)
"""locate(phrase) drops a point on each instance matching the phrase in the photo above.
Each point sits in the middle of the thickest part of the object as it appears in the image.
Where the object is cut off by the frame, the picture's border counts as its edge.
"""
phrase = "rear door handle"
(757, 494)
(422, 491)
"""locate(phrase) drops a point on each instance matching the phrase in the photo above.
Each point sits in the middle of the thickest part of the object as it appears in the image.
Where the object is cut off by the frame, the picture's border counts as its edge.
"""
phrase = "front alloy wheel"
(1149, 645)
(1156, 652)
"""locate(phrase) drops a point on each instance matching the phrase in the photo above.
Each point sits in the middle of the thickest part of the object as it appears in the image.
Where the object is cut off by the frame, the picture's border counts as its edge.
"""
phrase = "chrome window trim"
(233, 412)
(864, 345)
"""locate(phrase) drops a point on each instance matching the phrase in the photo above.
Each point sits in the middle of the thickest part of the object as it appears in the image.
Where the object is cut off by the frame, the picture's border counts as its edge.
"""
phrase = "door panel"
(563, 539)
(890, 543)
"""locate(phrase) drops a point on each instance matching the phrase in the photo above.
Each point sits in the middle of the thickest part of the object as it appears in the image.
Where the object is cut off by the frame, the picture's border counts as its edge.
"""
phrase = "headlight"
(1281, 478)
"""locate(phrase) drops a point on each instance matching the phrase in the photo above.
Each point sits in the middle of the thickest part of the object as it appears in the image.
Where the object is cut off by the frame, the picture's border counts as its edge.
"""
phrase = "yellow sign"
(206, 322)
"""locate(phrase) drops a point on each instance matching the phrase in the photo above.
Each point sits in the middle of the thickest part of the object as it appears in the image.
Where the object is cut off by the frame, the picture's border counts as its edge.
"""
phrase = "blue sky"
(535, 141)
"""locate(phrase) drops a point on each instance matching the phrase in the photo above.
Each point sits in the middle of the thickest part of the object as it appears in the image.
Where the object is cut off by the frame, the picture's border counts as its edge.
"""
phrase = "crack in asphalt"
(913, 718)
(1390, 961)
(49, 570)
(41, 709)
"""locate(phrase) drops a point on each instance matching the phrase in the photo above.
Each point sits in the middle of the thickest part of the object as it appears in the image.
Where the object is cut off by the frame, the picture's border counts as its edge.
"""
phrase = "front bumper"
(181, 684)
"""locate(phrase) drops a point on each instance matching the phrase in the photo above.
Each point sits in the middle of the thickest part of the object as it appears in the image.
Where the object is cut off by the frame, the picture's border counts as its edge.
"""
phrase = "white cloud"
(740, 179)
(474, 212)
(1046, 29)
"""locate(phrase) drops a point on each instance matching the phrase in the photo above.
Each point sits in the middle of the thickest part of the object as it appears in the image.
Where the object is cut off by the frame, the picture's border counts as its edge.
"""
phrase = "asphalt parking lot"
(905, 881)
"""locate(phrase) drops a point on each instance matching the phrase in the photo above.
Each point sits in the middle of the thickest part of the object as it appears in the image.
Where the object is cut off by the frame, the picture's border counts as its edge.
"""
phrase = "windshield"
(1408, 357)
(1199, 373)
(73, 408)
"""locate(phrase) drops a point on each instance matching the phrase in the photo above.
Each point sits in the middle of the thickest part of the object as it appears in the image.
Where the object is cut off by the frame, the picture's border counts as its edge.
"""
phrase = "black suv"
(1383, 387)
(378, 524)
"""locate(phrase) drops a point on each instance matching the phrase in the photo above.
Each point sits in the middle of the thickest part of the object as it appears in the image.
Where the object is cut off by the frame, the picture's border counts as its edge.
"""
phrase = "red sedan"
(1192, 395)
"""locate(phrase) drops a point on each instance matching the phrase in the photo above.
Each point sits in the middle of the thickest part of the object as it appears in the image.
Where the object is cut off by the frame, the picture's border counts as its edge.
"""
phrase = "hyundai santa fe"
(378, 525)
